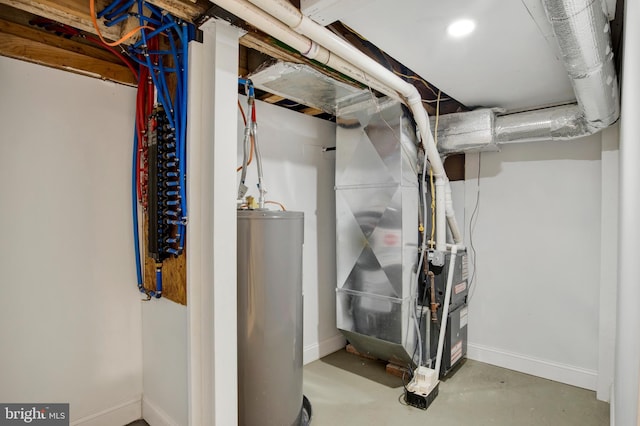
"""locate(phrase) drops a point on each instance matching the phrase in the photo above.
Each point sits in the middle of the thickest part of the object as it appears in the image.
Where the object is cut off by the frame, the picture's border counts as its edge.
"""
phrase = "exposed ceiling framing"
(20, 39)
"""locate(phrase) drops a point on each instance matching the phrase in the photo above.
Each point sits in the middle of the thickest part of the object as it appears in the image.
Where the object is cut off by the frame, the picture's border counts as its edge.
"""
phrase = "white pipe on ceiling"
(304, 45)
(365, 67)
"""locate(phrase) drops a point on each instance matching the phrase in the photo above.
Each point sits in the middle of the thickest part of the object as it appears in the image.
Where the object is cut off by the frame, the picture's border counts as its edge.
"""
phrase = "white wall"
(300, 175)
(534, 304)
(70, 319)
(164, 341)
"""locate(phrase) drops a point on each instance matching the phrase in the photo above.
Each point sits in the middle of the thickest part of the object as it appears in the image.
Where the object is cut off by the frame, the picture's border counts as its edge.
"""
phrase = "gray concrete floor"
(345, 389)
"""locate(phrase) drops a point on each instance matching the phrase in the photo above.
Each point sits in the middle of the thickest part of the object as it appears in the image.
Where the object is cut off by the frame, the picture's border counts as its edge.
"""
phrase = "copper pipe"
(434, 304)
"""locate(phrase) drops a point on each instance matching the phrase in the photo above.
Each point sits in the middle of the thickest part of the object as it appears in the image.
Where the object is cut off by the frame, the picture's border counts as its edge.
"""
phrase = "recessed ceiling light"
(461, 28)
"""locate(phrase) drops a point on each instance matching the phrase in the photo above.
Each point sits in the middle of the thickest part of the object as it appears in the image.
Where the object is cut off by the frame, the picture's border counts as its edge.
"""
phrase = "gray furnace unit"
(270, 318)
(377, 234)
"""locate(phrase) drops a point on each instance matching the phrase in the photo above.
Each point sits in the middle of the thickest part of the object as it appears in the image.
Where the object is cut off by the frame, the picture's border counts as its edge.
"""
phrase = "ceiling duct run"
(582, 30)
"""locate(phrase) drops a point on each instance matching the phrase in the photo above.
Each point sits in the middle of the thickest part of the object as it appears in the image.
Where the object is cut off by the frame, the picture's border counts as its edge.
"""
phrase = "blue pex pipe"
(109, 8)
(150, 66)
(134, 211)
(165, 90)
(247, 83)
(146, 18)
(154, 32)
(184, 103)
(112, 22)
(158, 292)
(144, 64)
(108, 14)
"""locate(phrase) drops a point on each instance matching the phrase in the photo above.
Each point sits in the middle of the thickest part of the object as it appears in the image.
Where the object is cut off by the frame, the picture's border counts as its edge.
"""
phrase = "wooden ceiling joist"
(44, 37)
(272, 99)
(19, 42)
(19, 39)
(74, 13)
(187, 9)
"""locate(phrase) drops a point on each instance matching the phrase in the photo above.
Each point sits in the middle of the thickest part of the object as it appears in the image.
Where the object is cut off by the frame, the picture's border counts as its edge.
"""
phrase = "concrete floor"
(345, 389)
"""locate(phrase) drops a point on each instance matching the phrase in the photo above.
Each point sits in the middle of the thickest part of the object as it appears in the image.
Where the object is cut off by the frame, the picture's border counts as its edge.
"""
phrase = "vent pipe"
(582, 30)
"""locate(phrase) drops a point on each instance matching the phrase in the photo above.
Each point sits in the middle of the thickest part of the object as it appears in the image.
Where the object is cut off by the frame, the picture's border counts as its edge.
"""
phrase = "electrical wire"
(472, 225)
(276, 203)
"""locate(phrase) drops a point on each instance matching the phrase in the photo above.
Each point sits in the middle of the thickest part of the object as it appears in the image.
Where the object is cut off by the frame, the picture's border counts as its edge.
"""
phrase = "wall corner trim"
(120, 414)
(155, 416)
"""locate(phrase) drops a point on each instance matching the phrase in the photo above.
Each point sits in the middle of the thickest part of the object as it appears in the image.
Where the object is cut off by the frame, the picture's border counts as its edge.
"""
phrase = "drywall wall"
(70, 319)
(534, 303)
(300, 175)
(164, 342)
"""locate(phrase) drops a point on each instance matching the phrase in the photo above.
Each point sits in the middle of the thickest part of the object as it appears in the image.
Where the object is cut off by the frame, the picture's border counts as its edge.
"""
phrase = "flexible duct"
(358, 66)
(582, 30)
(584, 36)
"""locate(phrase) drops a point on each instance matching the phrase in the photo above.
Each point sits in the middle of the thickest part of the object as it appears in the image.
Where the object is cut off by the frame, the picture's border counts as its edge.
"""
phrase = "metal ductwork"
(377, 198)
(582, 30)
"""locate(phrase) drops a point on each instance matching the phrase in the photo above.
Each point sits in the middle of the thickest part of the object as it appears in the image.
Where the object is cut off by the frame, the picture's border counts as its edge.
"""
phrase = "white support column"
(211, 233)
(627, 369)
(608, 261)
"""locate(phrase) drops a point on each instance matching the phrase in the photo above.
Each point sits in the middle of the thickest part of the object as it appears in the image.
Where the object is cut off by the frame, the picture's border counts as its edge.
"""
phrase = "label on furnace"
(456, 352)
(464, 317)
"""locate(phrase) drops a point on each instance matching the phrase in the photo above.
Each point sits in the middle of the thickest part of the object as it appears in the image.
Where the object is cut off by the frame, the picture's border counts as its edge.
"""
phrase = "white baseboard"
(154, 415)
(119, 415)
(325, 347)
(563, 373)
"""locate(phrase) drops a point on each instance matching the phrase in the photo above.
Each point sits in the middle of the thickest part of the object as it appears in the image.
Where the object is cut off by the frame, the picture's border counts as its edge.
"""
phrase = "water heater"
(270, 318)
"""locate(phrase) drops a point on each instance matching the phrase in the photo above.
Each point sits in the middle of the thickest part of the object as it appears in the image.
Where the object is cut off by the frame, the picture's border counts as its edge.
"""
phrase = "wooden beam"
(44, 37)
(243, 67)
(262, 44)
(311, 111)
(35, 51)
(272, 99)
(189, 9)
(74, 13)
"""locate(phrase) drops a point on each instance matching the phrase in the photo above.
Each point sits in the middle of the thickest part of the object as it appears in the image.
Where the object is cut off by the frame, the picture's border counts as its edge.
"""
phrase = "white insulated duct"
(345, 58)
(583, 33)
(584, 36)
